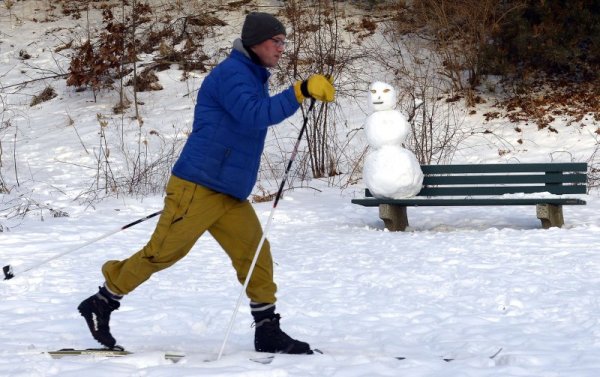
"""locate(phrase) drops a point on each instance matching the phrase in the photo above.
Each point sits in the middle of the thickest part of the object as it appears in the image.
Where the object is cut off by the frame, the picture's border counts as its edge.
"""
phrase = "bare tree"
(4, 125)
(317, 46)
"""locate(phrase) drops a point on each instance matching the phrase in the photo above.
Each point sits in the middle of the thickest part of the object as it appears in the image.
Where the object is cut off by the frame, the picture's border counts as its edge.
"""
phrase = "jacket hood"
(239, 46)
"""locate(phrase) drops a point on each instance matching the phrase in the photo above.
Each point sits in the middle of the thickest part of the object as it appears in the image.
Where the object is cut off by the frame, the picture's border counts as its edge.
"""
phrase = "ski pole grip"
(8, 272)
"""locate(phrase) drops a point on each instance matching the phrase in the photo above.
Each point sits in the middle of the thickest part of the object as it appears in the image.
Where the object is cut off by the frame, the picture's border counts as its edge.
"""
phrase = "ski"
(104, 352)
(175, 357)
(269, 358)
(450, 359)
(265, 360)
(117, 352)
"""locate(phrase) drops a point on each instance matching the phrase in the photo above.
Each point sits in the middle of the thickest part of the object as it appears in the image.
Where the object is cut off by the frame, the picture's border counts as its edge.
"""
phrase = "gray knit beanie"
(259, 27)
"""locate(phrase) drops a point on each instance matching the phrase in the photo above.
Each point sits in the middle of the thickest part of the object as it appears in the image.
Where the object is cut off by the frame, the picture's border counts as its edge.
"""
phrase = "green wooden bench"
(490, 185)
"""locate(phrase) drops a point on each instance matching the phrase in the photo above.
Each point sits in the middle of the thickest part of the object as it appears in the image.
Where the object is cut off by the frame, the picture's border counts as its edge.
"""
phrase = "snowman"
(390, 171)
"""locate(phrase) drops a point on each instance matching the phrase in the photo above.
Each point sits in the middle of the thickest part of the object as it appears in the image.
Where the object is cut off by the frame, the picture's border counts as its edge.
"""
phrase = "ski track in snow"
(461, 283)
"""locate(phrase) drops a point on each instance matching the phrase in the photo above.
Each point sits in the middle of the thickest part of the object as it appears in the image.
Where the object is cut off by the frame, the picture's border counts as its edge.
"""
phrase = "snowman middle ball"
(388, 127)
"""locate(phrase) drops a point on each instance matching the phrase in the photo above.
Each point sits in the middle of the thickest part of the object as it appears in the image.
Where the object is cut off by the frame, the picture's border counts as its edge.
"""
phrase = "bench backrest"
(499, 179)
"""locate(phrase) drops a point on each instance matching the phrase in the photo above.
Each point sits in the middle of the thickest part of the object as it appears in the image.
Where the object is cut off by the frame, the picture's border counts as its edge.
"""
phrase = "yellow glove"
(317, 87)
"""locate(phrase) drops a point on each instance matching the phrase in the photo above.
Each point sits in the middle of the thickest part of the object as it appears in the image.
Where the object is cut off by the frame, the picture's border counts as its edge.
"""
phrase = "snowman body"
(386, 127)
(390, 171)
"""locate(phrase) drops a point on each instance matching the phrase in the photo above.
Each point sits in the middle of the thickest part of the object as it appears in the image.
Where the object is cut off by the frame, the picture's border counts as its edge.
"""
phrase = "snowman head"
(382, 96)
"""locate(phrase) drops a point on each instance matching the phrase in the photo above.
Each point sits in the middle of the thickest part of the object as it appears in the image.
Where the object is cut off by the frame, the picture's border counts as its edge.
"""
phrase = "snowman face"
(382, 96)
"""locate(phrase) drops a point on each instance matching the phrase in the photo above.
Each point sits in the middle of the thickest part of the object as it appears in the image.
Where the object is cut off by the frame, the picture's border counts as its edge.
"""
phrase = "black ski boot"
(96, 310)
(269, 337)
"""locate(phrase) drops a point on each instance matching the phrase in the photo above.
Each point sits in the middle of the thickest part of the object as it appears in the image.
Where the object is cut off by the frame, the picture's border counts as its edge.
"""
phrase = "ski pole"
(9, 272)
(267, 227)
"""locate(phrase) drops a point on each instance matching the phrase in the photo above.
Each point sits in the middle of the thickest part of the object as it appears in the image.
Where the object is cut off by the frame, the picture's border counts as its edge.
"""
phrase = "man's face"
(270, 51)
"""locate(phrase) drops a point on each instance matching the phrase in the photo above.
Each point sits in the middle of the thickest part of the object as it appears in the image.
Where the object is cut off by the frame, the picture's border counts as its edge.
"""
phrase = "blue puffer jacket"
(231, 118)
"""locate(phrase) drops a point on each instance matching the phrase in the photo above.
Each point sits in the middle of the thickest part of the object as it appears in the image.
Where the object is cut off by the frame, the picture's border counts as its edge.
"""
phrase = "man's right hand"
(316, 86)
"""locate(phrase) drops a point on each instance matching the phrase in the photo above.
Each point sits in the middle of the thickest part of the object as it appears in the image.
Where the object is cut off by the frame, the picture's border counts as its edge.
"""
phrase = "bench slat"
(427, 192)
(502, 179)
(505, 168)
(425, 202)
(499, 190)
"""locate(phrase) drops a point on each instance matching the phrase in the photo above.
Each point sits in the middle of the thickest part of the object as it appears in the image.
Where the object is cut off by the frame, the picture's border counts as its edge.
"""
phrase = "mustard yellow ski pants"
(189, 211)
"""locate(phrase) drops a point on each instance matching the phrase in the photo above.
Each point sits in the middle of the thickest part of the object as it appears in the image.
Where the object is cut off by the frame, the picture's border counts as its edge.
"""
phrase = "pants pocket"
(180, 194)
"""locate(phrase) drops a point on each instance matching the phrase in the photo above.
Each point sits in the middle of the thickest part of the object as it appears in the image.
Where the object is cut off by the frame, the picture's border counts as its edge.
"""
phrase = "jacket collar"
(239, 52)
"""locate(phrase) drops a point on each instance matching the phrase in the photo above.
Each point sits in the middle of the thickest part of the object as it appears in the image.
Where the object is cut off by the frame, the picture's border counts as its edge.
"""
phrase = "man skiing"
(212, 179)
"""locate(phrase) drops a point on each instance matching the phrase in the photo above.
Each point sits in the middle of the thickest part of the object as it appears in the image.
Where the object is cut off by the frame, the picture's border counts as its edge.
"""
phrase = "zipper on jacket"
(225, 158)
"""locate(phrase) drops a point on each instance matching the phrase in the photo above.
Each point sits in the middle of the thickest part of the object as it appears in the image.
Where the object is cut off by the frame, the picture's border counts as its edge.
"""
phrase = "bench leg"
(394, 217)
(550, 215)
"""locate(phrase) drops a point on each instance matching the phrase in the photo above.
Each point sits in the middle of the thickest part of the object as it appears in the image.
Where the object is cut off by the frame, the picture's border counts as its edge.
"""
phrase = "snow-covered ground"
(462, 282)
